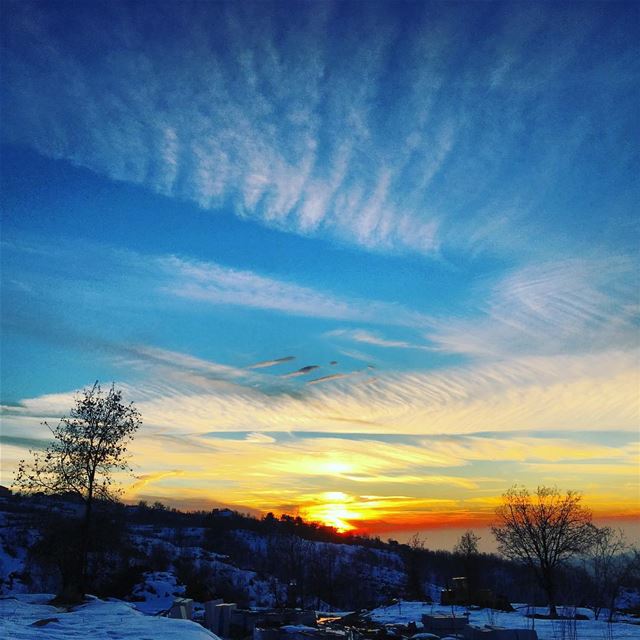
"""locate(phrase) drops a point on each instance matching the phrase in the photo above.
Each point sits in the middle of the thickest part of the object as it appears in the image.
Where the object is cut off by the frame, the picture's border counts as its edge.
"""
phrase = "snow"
(404, 612)
(118, 620)
(15, 538)
(401, 612)
(157, 592)
(526, 609)
(296, 628)
(97, 619)
(628, 599)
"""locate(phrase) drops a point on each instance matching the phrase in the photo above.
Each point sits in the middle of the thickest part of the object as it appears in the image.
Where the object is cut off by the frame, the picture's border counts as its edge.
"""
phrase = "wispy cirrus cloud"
(564, 306)
(221, 285)
(150, 279)
(579, 393)
(286, 125)
(260, 438)
(185, 362)
(374, 339)
(248, 126)
(149, 478)
(567, 305)
(329, 378)
(271, 363)
(303, 371)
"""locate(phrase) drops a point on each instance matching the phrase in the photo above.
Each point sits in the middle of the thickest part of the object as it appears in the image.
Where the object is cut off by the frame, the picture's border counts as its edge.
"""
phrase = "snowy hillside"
(24, 617)
(263, 568)
(270, 564)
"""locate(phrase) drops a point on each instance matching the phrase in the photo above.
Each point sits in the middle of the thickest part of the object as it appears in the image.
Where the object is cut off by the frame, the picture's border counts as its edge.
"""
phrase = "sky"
(369, 263)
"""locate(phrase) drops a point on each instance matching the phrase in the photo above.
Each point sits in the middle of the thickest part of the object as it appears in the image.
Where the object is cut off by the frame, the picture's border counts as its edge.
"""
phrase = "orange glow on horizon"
(446, 520)
(377, 515)
(333, 510)
(354, 514)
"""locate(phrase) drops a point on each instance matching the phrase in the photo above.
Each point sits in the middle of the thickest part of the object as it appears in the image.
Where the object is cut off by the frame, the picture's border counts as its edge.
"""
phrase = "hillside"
(267, 562)
(145, 556)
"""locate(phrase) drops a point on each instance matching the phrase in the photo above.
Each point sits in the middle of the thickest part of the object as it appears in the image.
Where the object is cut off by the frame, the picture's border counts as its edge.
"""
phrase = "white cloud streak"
(369, 337)
(209, 126)
(286, 126)
(564, 306)
(216, 284)
(271, 363)
(573, 393)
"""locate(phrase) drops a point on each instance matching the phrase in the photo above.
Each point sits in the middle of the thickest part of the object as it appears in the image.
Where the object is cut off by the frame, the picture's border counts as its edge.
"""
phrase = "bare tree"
(414, 567)
(467, 545)
(467, 549)
(87, 447)
(543, 531)
(610, 563)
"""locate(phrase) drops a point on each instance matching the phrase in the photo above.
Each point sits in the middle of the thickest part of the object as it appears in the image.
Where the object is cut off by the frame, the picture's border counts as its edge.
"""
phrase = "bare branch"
(543, 531)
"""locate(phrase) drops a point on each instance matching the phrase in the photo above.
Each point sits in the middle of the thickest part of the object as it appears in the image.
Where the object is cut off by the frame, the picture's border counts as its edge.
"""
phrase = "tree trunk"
(84, 552)
(550, 588)
(69, 568)
(612, 606)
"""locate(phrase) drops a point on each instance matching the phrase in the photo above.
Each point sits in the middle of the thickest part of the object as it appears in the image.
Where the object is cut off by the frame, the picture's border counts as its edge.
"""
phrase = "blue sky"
(438, 198)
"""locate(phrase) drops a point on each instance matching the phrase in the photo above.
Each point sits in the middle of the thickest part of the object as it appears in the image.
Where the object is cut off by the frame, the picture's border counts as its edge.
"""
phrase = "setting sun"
(333, 511)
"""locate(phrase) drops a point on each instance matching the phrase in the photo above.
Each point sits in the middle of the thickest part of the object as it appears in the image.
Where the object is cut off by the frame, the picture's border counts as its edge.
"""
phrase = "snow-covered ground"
(97, 619)
(157, 592)
(404, 612)
(28, 616)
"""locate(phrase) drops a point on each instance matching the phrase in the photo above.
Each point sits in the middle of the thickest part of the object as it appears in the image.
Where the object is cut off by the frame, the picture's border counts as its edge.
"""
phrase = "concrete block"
(222, 616)
(182, 608)
(210, 619)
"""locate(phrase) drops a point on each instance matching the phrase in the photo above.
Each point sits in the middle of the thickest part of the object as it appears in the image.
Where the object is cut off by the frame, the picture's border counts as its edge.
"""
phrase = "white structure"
(217, 617)
(182, 608)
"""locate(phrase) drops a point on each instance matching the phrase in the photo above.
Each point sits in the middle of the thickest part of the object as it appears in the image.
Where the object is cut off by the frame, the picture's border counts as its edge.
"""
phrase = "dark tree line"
(362, 573)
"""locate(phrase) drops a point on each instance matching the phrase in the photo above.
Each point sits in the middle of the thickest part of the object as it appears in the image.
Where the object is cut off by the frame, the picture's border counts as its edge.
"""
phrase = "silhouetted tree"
(610, 564)
(467, 545)
(88, 446)
(414, 560)
(543, 531)
(467, 549)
